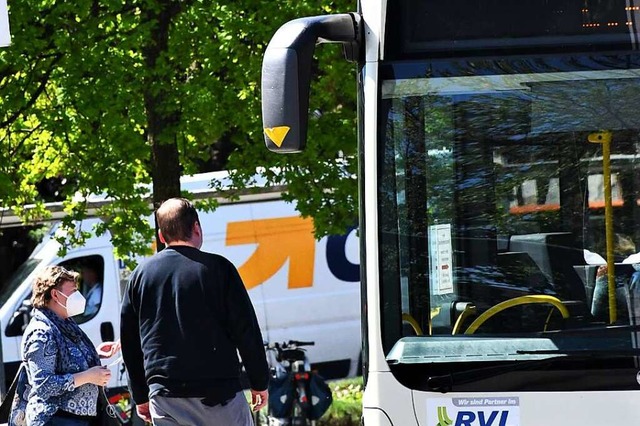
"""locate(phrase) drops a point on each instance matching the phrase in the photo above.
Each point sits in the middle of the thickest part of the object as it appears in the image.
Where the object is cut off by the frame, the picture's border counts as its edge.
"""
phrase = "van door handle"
(106, 332)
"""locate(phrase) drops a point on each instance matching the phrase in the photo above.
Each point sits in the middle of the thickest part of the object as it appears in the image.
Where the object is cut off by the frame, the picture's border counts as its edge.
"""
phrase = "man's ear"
(161, 237)
(197, 228)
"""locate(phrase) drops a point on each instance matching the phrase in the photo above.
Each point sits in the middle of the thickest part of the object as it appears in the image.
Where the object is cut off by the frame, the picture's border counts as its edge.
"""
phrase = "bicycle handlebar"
(288, 345)
(300, 343)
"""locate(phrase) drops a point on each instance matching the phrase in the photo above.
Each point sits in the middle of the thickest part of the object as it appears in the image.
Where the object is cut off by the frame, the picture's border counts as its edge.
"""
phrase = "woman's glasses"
(62, 273)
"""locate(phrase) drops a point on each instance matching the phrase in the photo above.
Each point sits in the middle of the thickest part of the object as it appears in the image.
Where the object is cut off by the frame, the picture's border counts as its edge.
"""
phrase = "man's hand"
(259, 399)
(143, 412)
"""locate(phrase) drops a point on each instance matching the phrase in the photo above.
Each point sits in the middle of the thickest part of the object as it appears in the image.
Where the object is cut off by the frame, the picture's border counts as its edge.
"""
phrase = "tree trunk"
(162, 113)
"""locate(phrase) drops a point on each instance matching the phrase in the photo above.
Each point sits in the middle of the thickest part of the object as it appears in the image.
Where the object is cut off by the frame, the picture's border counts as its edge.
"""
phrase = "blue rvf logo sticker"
(476, 411)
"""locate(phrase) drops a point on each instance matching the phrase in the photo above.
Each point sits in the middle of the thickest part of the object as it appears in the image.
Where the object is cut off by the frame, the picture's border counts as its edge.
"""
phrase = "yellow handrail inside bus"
(414, 324)
(522, 300)
(468, 310)
(604, 138)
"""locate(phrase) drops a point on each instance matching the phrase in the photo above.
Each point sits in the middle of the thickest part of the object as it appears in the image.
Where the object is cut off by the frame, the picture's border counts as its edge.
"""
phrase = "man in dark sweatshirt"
(185, 316)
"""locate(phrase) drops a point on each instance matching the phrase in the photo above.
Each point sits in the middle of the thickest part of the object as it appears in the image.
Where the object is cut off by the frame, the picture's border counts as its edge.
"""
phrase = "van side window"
(91, 269)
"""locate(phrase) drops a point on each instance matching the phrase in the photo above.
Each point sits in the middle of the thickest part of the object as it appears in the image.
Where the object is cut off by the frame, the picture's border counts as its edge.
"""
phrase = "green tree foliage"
(112, 96)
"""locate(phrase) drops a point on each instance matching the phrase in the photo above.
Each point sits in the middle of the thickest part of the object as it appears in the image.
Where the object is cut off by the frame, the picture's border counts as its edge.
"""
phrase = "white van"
(302, 289)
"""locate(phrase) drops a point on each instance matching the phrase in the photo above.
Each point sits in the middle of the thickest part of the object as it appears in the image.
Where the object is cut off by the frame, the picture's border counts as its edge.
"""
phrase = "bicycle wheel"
(260, 418)
(298, 415)
(275, 421)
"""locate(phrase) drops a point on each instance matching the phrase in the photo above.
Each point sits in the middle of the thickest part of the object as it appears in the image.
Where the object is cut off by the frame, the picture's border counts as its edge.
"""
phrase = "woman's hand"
(108, 349)
(98, 375)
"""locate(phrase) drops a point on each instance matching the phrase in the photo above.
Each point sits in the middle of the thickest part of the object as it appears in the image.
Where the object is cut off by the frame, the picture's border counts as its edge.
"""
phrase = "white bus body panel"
(386, 401)
(385, 398)
(533, 408)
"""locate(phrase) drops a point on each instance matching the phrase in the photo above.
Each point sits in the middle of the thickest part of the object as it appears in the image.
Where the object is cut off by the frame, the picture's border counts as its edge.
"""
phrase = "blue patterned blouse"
(53, 349)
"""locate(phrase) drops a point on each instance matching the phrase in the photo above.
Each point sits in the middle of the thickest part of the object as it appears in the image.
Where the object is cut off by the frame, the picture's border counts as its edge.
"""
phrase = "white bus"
(475, 313)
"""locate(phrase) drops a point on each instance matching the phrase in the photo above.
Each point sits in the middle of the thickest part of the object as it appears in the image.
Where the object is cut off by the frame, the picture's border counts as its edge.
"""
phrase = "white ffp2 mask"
(75, 303)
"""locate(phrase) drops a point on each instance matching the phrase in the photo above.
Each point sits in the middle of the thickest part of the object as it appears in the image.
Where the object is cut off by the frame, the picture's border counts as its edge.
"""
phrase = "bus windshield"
(492, 218)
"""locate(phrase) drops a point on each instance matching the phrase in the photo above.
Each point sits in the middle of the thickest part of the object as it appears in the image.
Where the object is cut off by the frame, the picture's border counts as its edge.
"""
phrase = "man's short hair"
(176, 217)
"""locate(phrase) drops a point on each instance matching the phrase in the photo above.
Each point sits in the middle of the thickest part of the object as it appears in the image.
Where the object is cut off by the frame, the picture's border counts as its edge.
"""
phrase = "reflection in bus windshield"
(499, 200)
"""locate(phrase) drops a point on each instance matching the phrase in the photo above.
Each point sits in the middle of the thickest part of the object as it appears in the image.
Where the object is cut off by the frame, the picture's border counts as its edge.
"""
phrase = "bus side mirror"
(286, 75)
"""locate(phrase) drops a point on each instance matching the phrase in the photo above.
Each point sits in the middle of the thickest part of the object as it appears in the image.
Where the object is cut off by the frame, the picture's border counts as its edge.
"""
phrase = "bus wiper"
(584, 353)
(605, 328)
(445, 382)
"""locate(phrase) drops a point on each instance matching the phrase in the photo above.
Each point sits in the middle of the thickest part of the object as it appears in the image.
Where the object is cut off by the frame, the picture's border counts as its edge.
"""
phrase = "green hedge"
(346, 408)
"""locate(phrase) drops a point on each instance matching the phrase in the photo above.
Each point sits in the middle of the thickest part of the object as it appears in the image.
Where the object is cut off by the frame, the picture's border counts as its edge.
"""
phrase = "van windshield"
(17, 278)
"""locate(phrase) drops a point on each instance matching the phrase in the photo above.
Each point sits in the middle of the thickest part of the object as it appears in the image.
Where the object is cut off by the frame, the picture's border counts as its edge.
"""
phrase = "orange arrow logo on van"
(277, 240)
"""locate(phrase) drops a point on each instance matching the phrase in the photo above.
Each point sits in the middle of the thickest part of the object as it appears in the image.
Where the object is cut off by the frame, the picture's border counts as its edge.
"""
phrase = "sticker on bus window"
(441, 259)
(474, 411)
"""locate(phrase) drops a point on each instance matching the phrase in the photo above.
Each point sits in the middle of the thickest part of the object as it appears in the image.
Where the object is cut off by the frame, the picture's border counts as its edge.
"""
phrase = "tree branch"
(34, 96)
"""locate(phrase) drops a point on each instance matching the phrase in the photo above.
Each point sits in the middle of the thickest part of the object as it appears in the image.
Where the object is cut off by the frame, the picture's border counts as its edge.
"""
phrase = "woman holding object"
(62, 367)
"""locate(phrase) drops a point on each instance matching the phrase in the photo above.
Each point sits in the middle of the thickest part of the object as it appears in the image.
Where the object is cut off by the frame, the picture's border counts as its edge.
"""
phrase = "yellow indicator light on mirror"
(277, 134)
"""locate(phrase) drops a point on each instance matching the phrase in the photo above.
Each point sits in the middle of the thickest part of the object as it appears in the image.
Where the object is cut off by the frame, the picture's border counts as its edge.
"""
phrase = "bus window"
(497, 203)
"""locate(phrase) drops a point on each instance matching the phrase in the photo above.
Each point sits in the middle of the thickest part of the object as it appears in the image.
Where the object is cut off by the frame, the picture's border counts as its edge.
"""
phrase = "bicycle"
(297, 396)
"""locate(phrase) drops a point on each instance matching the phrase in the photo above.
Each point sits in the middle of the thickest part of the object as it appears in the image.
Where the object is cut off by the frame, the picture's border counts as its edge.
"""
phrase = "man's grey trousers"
(192, 412)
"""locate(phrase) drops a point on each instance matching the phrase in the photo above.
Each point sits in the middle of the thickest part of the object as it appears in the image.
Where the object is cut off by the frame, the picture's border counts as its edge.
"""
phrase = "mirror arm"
(286, 74)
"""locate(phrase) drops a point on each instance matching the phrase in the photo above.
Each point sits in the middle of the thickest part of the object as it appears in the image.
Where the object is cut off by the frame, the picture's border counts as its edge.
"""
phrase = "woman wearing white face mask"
(63, 371)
